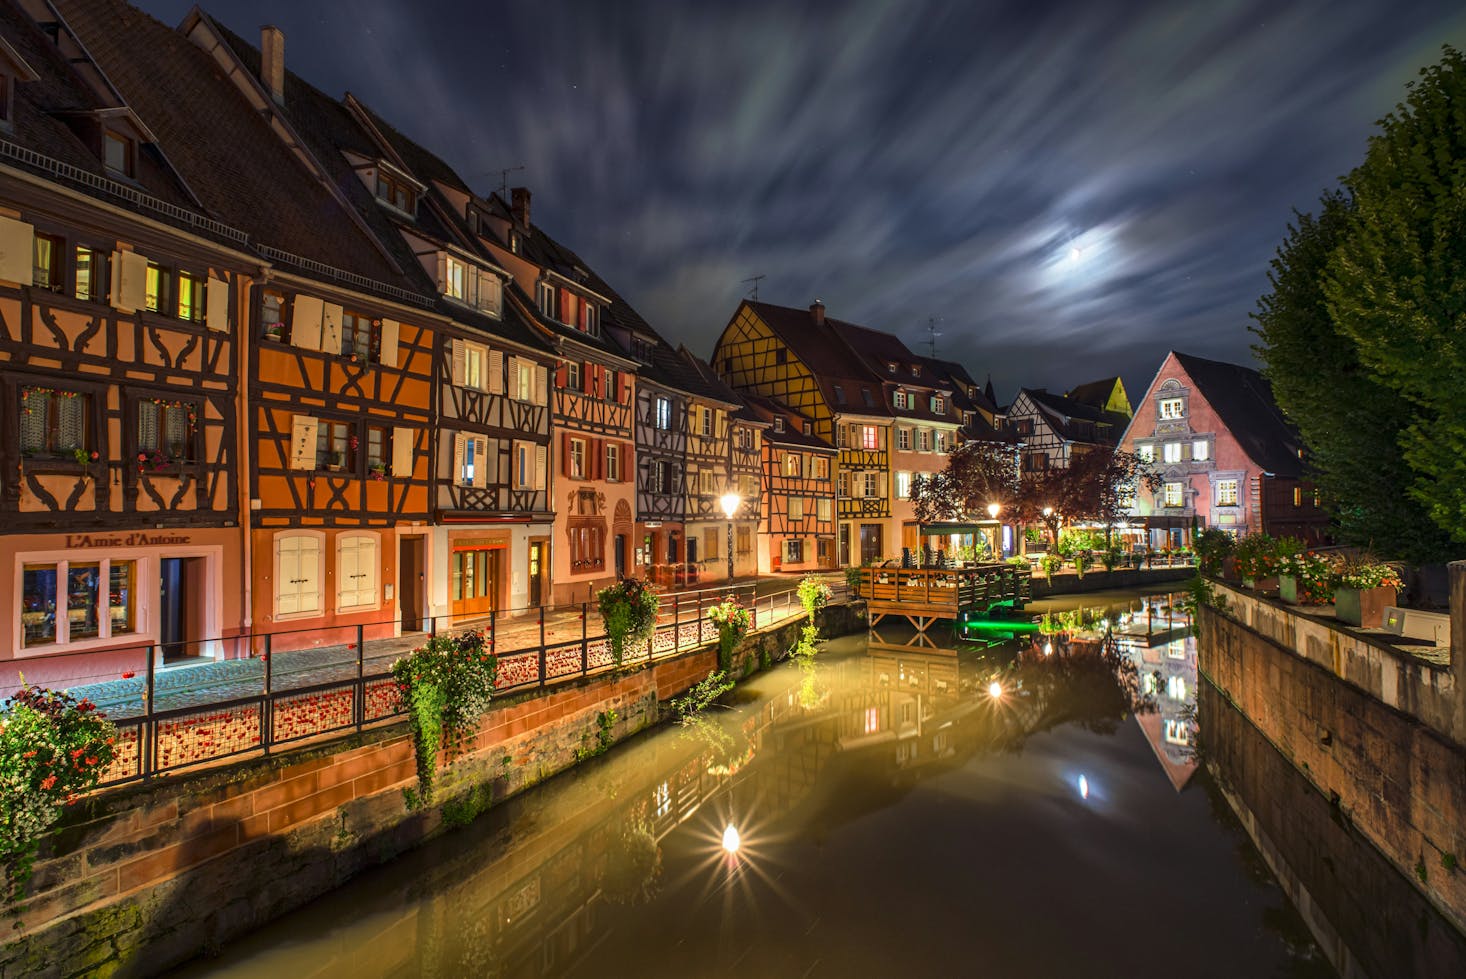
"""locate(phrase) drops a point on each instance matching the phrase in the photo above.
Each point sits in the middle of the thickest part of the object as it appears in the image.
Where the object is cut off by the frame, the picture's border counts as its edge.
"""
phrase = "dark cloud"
(1071, 189)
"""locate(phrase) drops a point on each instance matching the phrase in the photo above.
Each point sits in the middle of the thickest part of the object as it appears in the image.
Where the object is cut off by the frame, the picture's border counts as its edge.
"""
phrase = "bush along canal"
(892, 806)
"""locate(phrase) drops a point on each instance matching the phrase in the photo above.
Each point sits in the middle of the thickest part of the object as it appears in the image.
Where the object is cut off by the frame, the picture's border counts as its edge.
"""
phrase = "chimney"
(817, 310)
(272, 62)
(519, 205)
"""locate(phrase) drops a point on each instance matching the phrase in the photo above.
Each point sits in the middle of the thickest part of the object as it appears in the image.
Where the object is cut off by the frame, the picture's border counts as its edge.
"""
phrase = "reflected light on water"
(995, 690)
(731, 842)
(1048, 649)
(1083, 789)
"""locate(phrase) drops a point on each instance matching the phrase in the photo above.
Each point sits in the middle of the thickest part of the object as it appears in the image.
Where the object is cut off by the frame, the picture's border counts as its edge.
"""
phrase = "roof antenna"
(932, 333)
(753, 292)
(504, 178)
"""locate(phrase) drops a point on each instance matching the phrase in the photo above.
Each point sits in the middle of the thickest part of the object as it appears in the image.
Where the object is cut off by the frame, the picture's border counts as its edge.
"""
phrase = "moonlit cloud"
(901, 161)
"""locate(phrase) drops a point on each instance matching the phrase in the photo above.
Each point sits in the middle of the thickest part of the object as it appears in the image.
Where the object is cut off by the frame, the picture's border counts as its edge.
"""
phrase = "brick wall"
(144, 877)
(1318, 700)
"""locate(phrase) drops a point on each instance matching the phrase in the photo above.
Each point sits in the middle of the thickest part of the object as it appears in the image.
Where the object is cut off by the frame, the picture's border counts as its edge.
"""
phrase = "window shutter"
(443, 272)
(539, 467)
(565, 453)
(496, 371)
(458, 358)
(129, 281)
(346, 572)
(513, 362)
(541, 383)
(457, 474)
(598, 459)
(306, 314)
(17, 251)
(331, 328)
(387, 343)
(480, 457)
(403, 440)
(489, 292)
(303, 442)
(216, 298)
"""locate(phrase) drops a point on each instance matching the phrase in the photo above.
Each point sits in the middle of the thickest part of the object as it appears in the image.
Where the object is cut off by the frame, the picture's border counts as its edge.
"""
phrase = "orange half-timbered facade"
(797, 522)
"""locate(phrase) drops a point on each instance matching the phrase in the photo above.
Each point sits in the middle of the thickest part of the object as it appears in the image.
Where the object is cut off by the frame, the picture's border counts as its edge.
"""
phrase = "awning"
(954, 527)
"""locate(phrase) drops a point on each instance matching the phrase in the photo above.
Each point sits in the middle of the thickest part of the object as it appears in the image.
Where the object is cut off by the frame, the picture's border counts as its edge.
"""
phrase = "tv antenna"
(504, 173)
(932, 333)
(753, 290)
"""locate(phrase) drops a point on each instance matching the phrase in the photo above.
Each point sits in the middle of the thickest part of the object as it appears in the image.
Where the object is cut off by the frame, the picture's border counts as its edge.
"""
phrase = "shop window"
(166, 430)
(75, 591)
(793, 551)
(53, 423)
(121, 577)
(38, 605)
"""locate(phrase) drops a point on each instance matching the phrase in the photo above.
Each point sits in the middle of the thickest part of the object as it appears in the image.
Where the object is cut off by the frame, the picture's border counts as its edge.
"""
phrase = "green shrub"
(629, 611)
(445, 685)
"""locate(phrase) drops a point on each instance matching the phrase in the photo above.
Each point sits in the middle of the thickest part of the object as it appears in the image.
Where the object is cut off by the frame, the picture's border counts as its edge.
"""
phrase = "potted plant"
(377, 470)
(1363, 589)
(334, 460)
(1305, 579)
(275, 332)
(629, 612)
(1212, 546)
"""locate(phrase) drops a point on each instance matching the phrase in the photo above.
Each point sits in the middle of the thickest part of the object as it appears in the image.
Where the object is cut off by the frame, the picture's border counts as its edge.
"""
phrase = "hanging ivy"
(629, 611)
(446, 686)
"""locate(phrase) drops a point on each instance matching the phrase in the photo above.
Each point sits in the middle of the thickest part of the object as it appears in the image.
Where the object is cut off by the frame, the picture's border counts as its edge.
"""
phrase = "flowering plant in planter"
(445, 685)
(377, 470)
(733, 621)
(1306, 579)
(1211, 546)
(814, 595)
(1364, 573)
(53, 749)
(629, 611)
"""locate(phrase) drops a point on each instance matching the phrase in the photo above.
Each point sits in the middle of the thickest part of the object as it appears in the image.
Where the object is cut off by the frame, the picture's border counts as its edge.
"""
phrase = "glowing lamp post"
(993, 510)
(731, 840)
(730, 502)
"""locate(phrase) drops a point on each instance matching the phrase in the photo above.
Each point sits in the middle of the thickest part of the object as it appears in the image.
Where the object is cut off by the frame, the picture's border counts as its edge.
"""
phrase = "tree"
(1396, 283)
(1349, 419)
(976, 474)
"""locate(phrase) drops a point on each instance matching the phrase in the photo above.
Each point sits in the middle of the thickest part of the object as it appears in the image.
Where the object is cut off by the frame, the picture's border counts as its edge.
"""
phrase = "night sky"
(1069, 189)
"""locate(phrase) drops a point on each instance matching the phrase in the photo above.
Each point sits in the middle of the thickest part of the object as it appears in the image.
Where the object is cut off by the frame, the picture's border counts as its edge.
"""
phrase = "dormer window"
(808, 428)
(119, 154)
(891, 366)
(939, 405)
(778, 424)
(839, 394)
(870, 402)
(5, 88)
(455, 278)
(514, 242)
(900, 399)
(468, 284)
(548, 298)
(396, 192)
(591, 322)
(915, 370)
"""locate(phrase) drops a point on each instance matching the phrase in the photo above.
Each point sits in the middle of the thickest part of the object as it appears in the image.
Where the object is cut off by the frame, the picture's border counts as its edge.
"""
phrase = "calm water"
(895, 819)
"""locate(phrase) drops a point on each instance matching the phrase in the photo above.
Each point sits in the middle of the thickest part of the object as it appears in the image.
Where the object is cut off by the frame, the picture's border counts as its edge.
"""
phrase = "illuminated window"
(822, 509)
(900, 397)
(1176, 688)
(821, 468)
(156, 291)
(1171, 452)
(455, 278)
(1146, 452)
(1297, 496)
(870, 437)
(91, 273)
(1200, 450)
(664, 414)
(1174, 494)
(791, 464)
(1172, 408)
(796, 508)
(903, 486)
(47, 265)
(872, 720)
(939, 405)
(940, 441)
(1177, 733)
(190, 297)
(1226, 492)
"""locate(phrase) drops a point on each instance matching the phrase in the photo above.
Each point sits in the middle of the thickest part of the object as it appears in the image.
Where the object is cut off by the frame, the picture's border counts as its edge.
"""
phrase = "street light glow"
(995, 690)
(993, 509)
(730, 503)
(731, 840)
(1048, 511)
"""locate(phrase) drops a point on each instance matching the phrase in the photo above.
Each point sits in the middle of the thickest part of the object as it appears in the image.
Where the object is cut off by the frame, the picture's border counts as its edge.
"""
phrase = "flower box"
(1363, 607)
(1288, 589)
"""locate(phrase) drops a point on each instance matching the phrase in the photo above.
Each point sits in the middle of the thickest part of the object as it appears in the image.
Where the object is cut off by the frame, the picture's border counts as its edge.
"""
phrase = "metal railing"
(270, 690)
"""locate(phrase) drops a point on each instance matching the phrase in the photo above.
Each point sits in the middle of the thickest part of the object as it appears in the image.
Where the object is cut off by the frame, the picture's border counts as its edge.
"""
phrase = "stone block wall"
(1400, 781)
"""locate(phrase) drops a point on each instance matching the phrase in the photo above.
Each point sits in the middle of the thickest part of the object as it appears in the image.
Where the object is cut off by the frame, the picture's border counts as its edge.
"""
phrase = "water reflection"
(875, 811)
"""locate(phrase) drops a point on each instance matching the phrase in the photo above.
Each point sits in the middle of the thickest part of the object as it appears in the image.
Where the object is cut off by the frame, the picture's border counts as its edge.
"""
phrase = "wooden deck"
(927, 595)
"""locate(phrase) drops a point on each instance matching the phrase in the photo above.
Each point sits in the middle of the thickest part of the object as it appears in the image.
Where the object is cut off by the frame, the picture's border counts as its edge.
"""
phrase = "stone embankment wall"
(157, 874)
(1375, 730)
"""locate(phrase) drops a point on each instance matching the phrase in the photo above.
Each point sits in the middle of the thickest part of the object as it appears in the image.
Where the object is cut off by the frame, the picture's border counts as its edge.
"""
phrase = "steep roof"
(709, 385)
(793, 434)
(1243, 400)
(1064, 412)
(831, 360)
(1101, 393)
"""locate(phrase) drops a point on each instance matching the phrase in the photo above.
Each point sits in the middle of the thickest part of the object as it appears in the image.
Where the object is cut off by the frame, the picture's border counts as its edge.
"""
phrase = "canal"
(1030, 804)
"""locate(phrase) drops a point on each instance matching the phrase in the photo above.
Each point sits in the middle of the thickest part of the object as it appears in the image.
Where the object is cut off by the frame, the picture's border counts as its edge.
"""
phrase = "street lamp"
(993, 510)
(730, 502)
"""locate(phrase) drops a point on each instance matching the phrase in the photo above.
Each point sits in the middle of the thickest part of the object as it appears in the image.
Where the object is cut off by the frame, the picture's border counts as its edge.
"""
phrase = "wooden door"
(410, 583)
(474, 580)
(538, 572)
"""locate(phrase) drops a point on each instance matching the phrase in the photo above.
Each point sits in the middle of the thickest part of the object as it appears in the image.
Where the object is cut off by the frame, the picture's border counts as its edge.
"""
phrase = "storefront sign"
(136, 539)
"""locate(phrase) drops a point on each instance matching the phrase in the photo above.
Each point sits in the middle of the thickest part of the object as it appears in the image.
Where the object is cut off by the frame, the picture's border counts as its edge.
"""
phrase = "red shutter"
(565, 453)
(598, 380)
(560, 375)
(625, 392)
(600, 459)
(624, 461)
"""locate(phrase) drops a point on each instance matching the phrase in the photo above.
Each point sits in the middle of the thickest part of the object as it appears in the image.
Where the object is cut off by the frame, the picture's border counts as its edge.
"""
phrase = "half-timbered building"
(709, 463)
(119, 380)
(797, 513)
(661, 457)
(1053, 427)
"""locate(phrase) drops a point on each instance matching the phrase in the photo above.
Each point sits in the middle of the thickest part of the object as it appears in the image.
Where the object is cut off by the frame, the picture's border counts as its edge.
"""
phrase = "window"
(900, 396)
(396, 192)
(791, 464)
(155, 293)
(1200, 450)
(794, 551)
(870, 437)
(356, 335)
(118, 154)
(526, 465)
(796, 508)
(38, 604)
(903, 438)
(48, 272)
(1176, 687)
(939, 405)
(903, 486)
(1174, 494)
(335, 446)
(592, 321)
(53, 423)
(745, 540)
(822, 509)
(1297, 496)
(91, 274)
(808, 429)
(924, 439)
(940, 441)
(469, 463)
(572, 376)
(1172, 408)
(663, 419)
(546, 297)
(707, 422)
(473, 366)
(82, 612)
(455, 279)
(272, 319)
(1226, 492)
(821, 468)
(297, 574)
(872, 483)
(710, 539)
(83, 588)
(1171, 452)
(376, 454)
(356, 571)
(1177, 732)
(915, 370)
(524, 380)
(781, 356)
(865, 395)
(612, 386)
(891, 366)
(1146, 452)
(778, 424)
(577, 458)
(839, 394)
(165, 430)
(613, 462)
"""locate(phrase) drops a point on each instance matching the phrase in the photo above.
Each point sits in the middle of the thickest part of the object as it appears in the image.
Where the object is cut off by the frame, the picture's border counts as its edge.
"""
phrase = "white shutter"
(287, 564)
(496, 371)
(303, 442)
(356, 572)
(17, 251)
(457, 474)
(402, 451)
(309, 590)
(514, 377)
(541, 382)
(216, 297)
(540, 466)
(331, 328)
(458, 362)
(489, 293)
(387, 344)
(480, 454)
(129, 281)
(305, 322)
(443, 272)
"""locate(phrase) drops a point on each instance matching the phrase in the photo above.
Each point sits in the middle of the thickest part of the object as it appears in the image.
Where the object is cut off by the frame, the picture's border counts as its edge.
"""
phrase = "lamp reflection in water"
(1083, 789)
(995, 690)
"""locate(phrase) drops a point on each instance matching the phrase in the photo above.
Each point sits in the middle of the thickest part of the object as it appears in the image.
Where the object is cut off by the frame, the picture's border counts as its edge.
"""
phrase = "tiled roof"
(793, 434)
(709, 384)
(831, 360)
(1243, 400)
(1062, 413)
(1095, 393)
